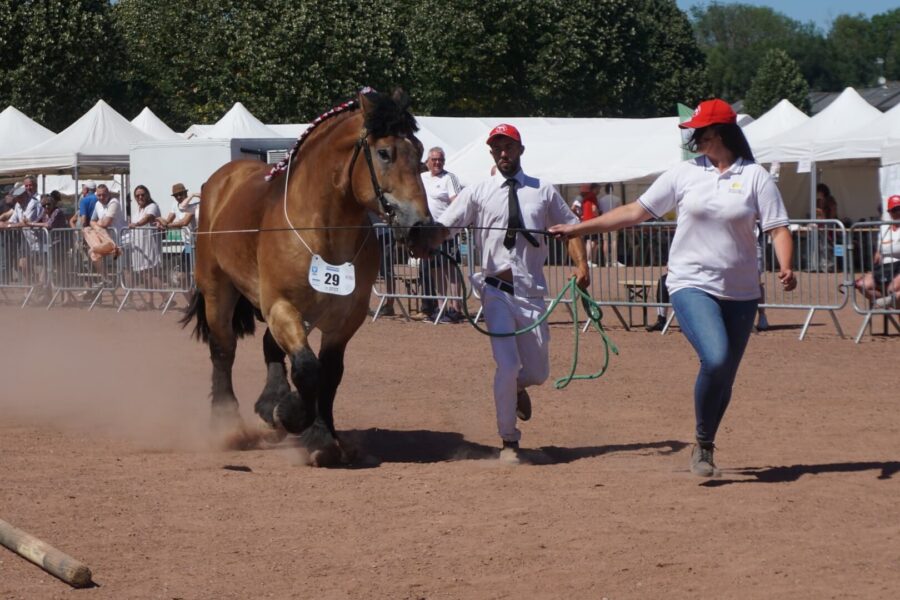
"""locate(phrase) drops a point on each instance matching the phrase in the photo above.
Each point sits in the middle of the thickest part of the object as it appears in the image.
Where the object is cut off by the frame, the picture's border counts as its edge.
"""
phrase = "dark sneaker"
(762, 324)
(658, 326)
(702, 463)
(523, 405)
(509, 453)
(388, 311)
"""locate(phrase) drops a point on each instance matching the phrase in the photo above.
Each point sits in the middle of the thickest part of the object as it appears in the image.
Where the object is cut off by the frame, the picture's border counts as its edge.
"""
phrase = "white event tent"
(94, 145)
(152, 125)
(780, 118)
(571, 151)
(18, 132)
(159, 164)
(810, 146)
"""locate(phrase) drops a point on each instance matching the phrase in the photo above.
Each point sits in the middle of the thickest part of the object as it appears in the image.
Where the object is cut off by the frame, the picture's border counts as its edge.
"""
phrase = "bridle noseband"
(363, 143)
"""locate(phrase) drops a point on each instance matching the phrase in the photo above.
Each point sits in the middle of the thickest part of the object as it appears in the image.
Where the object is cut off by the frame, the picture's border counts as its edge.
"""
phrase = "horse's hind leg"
(226, 420)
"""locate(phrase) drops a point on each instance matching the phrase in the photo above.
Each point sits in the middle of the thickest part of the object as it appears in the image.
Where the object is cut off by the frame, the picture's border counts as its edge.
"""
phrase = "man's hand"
(582, 276)
(787, 278)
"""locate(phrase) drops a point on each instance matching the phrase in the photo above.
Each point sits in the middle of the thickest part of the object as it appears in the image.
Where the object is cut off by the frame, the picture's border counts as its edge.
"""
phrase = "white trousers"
(523, 360)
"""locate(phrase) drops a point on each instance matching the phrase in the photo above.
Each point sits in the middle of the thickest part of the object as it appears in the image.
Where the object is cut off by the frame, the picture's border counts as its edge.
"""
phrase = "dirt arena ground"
(104, 454)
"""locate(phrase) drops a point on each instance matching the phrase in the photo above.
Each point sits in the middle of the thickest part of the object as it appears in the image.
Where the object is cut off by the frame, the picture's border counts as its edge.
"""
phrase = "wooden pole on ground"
(45, 556)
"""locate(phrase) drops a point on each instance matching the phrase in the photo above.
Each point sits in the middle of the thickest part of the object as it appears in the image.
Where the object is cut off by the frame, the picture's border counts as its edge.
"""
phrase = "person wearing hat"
(86, 205)
(183, 217)
(504, 210)
(882, 285)
(713, 281)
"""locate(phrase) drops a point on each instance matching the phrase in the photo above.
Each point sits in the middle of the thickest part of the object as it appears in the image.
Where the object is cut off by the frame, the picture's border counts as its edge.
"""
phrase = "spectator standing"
(511, 284)
(183, 217)
(107, 220)
(605, 203)
(589, 210)
(86, 205)
(441, 188)
(712, 277)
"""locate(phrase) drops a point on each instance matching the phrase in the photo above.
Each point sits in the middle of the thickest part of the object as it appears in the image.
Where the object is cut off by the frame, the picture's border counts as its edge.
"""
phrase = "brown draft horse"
(360, 157)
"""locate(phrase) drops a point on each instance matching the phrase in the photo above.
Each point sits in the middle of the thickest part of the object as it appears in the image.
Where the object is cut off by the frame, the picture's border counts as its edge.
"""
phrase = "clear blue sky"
(821, 12)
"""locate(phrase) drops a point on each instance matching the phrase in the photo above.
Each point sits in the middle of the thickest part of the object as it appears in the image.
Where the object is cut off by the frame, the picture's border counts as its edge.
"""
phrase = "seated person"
(882, 285)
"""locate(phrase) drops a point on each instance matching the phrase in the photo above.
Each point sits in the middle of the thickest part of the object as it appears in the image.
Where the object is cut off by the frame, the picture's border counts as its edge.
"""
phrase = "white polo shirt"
(113, 209)
(440, 189)
(486, 204)
(889, 245)
(714, 248)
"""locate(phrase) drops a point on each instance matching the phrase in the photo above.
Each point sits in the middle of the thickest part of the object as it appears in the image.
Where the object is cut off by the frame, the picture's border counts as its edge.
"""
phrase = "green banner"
(684, 114)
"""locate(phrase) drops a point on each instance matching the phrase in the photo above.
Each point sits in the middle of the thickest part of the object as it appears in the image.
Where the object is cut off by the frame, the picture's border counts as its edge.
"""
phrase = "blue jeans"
(718, 330)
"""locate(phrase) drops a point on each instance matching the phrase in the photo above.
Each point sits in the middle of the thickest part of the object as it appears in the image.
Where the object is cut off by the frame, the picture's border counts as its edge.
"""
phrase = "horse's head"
(387, 180)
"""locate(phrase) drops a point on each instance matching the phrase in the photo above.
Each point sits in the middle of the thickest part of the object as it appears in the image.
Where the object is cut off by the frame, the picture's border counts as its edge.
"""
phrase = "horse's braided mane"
(388, 117)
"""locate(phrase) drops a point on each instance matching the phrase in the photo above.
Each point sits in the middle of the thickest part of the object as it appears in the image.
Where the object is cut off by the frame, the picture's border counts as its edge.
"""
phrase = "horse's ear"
(401, 98)
(368, 100)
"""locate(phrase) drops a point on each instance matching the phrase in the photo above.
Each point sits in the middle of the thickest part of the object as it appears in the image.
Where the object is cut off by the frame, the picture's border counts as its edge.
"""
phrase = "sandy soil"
(104, 453)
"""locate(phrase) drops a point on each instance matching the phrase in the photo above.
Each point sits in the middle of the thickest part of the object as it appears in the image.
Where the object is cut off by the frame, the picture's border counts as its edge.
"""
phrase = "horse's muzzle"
(420, 237)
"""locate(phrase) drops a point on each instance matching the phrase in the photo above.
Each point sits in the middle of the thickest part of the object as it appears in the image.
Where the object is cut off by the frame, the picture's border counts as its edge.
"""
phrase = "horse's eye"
(384, 154)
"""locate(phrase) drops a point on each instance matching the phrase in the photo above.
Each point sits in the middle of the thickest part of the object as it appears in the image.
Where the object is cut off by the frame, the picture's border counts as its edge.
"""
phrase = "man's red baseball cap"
(504, 129)
(710, 112)
(893, 202)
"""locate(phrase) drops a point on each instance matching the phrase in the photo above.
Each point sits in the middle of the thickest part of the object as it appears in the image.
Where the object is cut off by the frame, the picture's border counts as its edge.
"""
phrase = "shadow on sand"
(790, 473)
(422, 446)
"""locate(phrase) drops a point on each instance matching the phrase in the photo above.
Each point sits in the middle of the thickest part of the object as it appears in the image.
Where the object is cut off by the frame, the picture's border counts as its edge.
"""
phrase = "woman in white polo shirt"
(713, 279)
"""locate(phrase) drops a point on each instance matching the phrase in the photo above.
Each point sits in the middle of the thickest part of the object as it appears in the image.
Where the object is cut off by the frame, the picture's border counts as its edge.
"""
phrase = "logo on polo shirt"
(735, 188)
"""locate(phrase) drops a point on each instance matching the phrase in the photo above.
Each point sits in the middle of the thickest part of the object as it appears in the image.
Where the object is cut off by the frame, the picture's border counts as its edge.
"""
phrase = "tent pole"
(812, 190)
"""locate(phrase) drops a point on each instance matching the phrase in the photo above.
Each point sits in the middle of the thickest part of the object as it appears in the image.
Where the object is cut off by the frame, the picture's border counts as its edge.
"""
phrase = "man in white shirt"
(441, 188)
(183, 217)
(108, 219)
(504, 210)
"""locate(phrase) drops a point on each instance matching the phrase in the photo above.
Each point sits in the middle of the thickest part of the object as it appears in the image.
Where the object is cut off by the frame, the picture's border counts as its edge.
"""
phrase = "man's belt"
(503, 286)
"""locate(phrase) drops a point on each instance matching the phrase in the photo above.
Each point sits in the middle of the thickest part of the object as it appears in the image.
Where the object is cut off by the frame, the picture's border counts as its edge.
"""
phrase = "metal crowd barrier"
(628, 266)
(865, 240)
(73, 273)
(24, 261)
(155, 261)
(418, 281)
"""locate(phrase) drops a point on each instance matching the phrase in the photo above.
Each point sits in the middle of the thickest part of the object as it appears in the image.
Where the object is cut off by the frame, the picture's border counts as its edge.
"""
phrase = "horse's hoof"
(229, 431)
(270, 435)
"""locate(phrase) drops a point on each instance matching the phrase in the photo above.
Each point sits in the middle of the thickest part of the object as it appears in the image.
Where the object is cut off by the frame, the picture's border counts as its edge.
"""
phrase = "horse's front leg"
(276, 390)
(293, 413)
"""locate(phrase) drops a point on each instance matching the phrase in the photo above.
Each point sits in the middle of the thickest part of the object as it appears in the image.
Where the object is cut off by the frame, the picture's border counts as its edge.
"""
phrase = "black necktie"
(515, 224)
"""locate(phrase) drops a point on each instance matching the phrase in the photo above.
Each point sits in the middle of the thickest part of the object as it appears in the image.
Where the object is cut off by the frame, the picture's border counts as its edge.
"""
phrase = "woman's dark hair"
(57, 197)
(824, 189)
(150, 199)
(732, 138)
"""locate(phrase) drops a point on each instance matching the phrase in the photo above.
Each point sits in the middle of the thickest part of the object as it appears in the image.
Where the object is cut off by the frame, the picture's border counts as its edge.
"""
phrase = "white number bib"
(331, 279)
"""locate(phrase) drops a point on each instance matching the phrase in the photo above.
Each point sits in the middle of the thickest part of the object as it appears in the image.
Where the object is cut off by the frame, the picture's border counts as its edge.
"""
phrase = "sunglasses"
(180, 194)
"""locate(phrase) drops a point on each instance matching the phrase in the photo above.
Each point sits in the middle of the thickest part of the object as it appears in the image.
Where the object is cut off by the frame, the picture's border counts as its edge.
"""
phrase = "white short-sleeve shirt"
(714, 248)
(113, 209)
(440, 189)
(486, 205)
(889, 244)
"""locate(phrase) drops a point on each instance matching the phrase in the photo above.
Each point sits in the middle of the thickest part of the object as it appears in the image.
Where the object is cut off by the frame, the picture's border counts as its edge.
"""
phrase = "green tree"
(735, 37)
(886, 42)
(777, 77)
(58, 58)
(286, 61)
(670, 68)
(852, 52)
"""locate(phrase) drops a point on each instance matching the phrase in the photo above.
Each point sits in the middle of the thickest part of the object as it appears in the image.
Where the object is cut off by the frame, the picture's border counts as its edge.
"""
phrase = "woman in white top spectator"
(882, 285)
(712, 272)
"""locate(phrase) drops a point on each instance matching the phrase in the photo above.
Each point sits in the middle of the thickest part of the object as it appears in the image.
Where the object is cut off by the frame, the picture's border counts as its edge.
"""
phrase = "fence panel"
(73, 272)
(872, 284)
(155, 261)
(24, 262)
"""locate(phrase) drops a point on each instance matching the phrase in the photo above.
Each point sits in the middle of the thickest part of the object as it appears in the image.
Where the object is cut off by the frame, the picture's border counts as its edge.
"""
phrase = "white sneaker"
(888, 301)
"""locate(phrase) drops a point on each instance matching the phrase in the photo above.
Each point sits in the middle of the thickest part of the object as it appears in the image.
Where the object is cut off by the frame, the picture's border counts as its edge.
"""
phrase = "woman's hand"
(788, 279)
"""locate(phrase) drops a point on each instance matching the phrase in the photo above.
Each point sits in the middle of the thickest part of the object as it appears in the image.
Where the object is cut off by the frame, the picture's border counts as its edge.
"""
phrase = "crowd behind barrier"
(865, 240)
(626, 273)
(53, 266)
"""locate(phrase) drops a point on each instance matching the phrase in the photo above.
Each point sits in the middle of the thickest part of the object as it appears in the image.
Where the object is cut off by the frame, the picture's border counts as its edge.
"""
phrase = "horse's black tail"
(242, 321)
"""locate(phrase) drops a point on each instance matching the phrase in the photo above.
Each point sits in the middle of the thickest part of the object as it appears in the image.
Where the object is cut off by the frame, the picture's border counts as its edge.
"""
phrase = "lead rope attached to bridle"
(591, 308)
